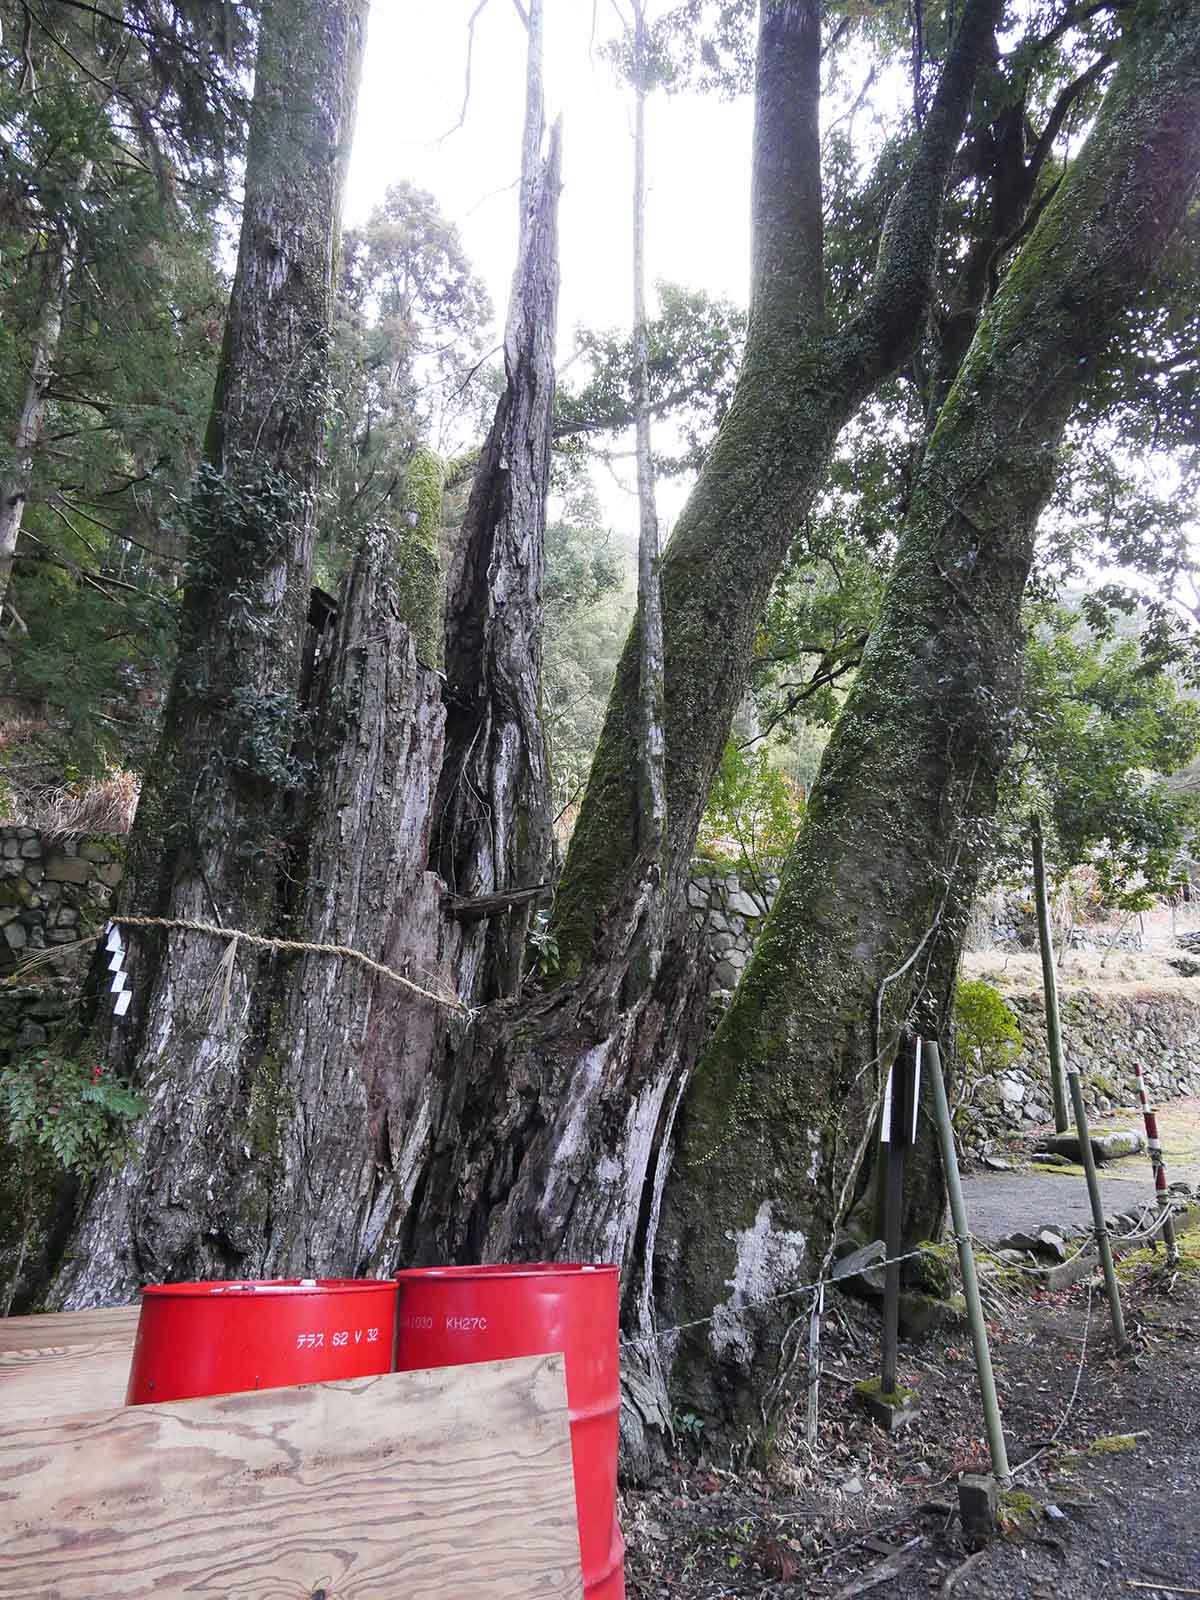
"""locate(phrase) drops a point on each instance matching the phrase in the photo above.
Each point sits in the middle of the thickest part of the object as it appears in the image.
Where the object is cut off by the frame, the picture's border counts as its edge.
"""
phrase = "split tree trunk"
(210, 839)
(879, 885)
(493, 808)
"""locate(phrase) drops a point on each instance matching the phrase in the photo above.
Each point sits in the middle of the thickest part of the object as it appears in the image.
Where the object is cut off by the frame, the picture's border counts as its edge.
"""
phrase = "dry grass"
(1080, 969)
(100, 805)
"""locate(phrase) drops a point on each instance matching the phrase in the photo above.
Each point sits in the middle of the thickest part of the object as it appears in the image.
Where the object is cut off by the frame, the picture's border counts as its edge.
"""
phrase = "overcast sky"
(698, 159)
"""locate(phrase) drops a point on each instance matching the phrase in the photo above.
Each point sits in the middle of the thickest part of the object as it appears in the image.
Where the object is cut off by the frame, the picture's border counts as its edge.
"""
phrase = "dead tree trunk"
(868, 924)
(210, 838)
(493, 808)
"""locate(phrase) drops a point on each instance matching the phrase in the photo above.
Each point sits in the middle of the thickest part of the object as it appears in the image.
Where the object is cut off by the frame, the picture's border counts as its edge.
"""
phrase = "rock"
(853, 1485)
(15, 936)
(744, 904)
(1105, 1146)
(1012, 1092)
(858, 1265)
(1051, 1244)
(1018, 1241)
(1054, 1513)
(1011, 1257)
(31, 850)
(697, 896)
(726, 975)
(67, 869)
(92, 850)
(1047, 1158)
(996, 1164)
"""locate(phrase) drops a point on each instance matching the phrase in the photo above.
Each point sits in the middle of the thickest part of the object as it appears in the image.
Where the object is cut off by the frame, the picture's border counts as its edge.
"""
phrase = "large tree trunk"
(210, 840)
(556, 1125)
(868, 923)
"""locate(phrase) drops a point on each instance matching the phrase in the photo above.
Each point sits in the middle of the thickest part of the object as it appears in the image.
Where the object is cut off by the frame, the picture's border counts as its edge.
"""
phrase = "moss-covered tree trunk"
(211, 836)
(868, 922)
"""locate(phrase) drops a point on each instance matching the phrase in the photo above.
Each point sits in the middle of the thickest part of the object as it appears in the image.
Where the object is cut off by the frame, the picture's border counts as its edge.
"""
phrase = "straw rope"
(260, 941)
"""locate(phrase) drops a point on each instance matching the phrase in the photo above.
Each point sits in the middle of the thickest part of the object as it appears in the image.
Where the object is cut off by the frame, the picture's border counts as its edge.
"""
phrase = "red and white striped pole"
(1156, 1161)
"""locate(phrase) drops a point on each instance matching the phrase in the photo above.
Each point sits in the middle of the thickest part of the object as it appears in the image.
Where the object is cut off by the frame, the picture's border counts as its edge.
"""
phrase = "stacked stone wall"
(53, 891)
(1105, 1031)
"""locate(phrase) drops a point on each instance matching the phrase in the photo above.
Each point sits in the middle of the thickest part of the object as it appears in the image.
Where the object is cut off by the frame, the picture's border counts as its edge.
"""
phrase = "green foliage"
(412, 322)
(67, 1109)
(1100, 723)
(694, 346)
(985, 1029)
(588, 609)
(752, 814)
(543, 945)
(117, 140)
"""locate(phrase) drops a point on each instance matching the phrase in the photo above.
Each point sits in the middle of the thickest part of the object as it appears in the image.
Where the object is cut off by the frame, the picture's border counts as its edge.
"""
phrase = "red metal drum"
(222, 1338)
(452, 1316)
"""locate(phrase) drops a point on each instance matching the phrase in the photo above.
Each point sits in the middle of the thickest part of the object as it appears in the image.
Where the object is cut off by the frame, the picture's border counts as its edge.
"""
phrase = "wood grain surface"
(410, 1486)
(51, 1381)
(58, 1329)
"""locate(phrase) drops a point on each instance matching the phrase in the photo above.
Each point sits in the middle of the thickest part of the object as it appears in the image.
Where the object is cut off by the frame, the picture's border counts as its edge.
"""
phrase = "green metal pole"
(1111, 1287)
(1058, 1082)
(966, 1258)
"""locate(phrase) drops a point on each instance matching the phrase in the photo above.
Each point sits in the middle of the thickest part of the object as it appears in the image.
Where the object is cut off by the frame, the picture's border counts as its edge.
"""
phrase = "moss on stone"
(872, 1388)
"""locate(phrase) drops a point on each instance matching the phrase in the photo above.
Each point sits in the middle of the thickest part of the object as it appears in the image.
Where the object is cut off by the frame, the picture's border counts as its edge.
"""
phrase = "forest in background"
(903, 239)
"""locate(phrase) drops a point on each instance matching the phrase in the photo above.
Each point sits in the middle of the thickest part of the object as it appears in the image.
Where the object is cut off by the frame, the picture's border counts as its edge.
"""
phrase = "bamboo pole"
(1111, 1287)
(1058, 1090)
(966, 1257)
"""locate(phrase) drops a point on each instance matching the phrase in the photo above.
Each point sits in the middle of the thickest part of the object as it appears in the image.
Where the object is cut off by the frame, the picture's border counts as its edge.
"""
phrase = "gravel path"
(1000, 1203)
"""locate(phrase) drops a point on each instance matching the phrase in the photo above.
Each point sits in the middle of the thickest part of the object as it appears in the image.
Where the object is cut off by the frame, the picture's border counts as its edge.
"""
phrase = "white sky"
(698, 161)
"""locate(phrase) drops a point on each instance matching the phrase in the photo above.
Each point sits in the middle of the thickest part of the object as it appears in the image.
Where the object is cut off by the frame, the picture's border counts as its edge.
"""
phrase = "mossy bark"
(800, 382)
(875, 895)
(209, 842)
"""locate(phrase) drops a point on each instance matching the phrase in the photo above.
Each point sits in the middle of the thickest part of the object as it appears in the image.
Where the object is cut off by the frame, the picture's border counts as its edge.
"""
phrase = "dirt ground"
(1106, 1447)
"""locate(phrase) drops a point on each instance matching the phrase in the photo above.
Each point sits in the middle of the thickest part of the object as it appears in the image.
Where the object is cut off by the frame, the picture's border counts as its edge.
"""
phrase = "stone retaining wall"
(1104, 1030)
(52, 891)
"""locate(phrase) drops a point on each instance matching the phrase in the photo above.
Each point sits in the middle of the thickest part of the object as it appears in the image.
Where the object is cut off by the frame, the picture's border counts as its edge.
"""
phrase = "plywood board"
(63, 1362)
(58, 1329)
(39, 1384)
(410, 1486)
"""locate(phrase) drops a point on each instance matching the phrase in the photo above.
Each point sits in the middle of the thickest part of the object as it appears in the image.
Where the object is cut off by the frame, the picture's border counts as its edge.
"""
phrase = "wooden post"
(1058, 1081)
(896, 1134)
(1158, 1165)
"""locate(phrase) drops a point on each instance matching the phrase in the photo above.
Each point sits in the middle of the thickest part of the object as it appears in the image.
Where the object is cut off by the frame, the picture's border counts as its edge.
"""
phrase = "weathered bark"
(328, 1114)
(879, 885)
(210, 836)
(57, 267)
(493, 808)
